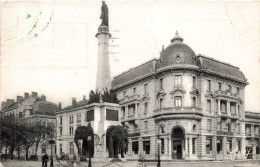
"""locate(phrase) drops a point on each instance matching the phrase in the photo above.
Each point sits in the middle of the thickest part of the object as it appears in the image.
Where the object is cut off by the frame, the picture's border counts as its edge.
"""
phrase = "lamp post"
(89, 151)
(159, 160)
(51, 142)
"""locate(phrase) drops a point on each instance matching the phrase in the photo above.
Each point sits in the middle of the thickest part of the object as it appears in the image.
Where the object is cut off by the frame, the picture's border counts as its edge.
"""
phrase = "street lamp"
(159, 160)
(51, 142)
(89, 151)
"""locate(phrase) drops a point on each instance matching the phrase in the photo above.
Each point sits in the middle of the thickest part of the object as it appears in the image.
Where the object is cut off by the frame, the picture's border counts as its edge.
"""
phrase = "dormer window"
(194, 81)
(161, 83)
(209, 85)
(229, 88)
(219, 86)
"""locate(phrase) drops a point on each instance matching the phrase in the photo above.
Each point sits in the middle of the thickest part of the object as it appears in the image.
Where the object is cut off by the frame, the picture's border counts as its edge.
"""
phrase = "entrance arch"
(178, 142)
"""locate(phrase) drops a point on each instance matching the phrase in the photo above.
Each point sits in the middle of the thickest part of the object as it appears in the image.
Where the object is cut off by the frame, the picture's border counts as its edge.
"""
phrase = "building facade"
(183, 106)
(32, 109)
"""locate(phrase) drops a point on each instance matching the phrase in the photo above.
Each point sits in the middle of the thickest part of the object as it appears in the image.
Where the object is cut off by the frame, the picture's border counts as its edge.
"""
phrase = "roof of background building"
(44, 108)
(135, 73)
(78, 104)
(217, 67)
(178, 54)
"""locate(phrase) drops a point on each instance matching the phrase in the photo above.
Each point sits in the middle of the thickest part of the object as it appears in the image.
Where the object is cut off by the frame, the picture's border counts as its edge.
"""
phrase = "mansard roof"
(44, 108)
(179, 55)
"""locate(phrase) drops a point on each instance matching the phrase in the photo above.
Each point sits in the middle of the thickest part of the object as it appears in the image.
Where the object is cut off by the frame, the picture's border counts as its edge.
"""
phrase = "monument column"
(103, 67)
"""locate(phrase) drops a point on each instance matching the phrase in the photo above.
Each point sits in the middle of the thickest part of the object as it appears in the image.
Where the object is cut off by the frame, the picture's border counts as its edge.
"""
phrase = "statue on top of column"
(104, 14)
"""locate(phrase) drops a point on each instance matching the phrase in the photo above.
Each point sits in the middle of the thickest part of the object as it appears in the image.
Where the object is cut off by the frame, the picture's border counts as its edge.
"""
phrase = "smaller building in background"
(34, 110)
(252, 132)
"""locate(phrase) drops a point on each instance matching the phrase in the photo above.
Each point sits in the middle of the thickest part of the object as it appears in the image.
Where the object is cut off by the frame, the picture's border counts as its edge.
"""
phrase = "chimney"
(60, 105)
(3, 104)
(84, 98)
(26, 95)
(43, 98)
(34, 94)
(73, 102)
(19, 98)
(9, 102)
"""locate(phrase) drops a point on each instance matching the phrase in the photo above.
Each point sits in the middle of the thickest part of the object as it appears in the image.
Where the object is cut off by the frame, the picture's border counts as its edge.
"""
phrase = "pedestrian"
(45, 159)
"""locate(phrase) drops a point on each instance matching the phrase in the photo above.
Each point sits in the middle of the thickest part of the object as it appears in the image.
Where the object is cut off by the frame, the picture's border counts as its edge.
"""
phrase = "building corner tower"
(103, 64)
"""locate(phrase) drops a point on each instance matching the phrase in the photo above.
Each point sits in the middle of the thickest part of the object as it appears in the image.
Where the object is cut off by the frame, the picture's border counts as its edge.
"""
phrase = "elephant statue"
(116, 141)
(86, 134)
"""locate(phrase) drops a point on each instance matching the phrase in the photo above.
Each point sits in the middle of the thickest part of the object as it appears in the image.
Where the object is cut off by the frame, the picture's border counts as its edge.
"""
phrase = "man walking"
(45, 159)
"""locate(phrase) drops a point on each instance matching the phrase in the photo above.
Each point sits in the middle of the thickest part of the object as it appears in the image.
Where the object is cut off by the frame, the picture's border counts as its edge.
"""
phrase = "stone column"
(126, 111)
(190, 146)
(136, 112)
(140, 146)
(228, 107)
(170, 145)
(236, 109)
(165, 146)
(130, 147)
(243, 148)
(219, 112)
(224, 145)
(186, 145)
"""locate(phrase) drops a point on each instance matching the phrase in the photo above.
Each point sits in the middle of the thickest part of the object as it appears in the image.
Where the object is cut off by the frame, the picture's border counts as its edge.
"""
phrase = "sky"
(50, 47)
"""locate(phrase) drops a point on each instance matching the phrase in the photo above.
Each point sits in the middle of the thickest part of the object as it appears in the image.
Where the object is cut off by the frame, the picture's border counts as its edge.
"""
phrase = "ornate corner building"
(186, 106)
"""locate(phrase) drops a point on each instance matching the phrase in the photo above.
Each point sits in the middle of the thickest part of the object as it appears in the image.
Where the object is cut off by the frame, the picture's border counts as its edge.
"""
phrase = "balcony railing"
(178, 109)
(129, 98)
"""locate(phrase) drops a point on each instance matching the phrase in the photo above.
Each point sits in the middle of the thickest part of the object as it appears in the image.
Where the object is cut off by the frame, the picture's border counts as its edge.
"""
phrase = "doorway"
(177, 143)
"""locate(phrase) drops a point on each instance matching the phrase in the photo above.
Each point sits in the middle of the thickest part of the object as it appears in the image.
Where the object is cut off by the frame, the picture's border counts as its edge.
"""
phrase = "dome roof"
(177, 53)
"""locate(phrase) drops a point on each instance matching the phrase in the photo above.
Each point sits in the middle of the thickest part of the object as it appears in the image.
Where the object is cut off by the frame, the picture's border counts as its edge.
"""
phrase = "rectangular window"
(209, 124)
(238, 128)
(124, 94)
(162, 146)
(79, 118)
(71, 119)
(193, 101)
(71, 130)
(238, 90)
(161, 83)
(177, 101)
(146, 147)
(219, 146)
(146, 126)
(60, 120)
(71, 148)
(238, 145)
(209, 106)
(123, 111)
(177, 80)
(135, 147)
(111, 115)
(134, 91)
(193, 145)
(209, 145)
(90, 116)
(60, 149)
(229, 145)
(145, 107)
(161, 103)
(61, 131)
(209, 85)
(219, 86)
(43, 150)
(146, 88)
(230, 88)
(194, 82)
